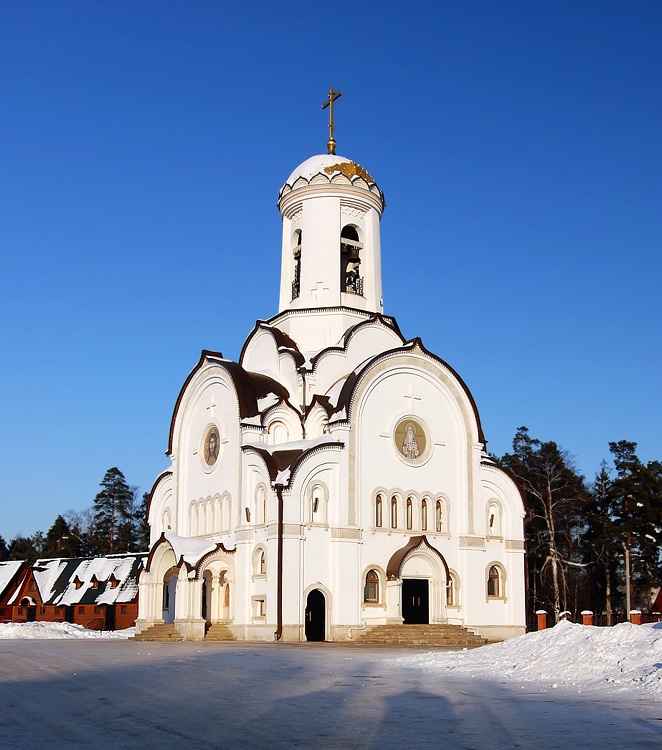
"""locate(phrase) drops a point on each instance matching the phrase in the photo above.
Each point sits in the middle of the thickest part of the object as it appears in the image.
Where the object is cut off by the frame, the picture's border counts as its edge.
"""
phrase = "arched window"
(351, 281)
(378, 512)
(452, 590)
(410, 513)
(438, 517)
(296, 272)
(494, 519)
(394, 512)
(371, 587)
(262, 563)
(318, 505)
(424, 515)
(278, 433)
(494, 582)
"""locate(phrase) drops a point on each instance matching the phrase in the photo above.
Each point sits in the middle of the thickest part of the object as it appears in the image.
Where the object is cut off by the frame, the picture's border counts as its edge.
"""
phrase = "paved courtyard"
(123, 694)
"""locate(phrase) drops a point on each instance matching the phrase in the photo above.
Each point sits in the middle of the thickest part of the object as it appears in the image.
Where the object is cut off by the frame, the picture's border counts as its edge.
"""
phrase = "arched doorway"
(169, 591)
(415, 601)
(423, 574)
(315, 616)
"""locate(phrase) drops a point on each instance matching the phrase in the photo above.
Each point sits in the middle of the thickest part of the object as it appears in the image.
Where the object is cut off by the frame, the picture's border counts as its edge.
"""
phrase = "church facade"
(336, 477)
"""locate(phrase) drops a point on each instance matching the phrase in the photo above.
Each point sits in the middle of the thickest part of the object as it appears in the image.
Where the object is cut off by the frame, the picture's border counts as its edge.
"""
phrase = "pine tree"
(4, 550)
(22, 548)
(556, 497)
(113, 514)
(60, 540)
(636, 499)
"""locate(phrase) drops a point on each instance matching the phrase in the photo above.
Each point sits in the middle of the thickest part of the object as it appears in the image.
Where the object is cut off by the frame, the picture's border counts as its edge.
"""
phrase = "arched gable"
(416, 544)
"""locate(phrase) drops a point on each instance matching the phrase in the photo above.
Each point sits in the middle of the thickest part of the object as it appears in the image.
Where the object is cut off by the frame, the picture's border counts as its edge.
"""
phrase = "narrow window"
(451, 591)
(394, 512)
(371, 588)
(424, 515)
(438, 517)
(378, 512)
(494, 582)
(262, 563)
(410, 513)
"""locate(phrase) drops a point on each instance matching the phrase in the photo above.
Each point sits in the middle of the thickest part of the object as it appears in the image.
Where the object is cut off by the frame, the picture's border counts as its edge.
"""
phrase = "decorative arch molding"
(159, 550)
(416, 544)
(162, 547)
(412, 356)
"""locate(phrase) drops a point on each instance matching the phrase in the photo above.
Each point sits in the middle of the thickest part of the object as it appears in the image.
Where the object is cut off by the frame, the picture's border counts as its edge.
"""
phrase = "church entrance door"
(315, 616)
(415, 601)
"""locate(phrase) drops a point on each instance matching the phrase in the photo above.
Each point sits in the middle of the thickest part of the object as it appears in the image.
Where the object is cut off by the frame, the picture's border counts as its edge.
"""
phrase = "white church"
(335, 478)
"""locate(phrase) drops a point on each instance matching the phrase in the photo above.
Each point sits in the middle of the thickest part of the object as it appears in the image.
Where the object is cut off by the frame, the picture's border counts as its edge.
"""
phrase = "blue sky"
(144, 144)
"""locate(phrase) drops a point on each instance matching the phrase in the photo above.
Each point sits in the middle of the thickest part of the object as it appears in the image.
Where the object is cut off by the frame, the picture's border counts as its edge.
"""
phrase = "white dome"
(321, 163)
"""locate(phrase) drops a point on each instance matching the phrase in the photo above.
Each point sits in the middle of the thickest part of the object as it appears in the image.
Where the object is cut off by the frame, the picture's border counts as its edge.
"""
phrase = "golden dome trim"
(349, 169)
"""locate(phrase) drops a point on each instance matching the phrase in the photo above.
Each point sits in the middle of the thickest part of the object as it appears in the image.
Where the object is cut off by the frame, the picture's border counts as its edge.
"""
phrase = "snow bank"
(57, 630)
(625, 657)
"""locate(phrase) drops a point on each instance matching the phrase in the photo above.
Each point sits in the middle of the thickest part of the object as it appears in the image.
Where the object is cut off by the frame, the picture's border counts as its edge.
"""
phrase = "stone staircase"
(159, 632)
(449, 636)
(219, 632)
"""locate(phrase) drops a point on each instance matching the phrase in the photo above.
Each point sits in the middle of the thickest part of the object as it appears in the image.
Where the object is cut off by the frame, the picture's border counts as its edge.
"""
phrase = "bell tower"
(331, 256)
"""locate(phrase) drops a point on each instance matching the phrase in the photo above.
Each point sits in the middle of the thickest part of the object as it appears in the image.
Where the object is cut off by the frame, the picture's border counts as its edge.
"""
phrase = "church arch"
(216, 574)
(169, 594)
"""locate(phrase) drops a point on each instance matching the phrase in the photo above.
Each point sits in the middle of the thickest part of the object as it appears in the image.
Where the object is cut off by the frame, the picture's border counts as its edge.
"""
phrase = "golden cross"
(333, 95)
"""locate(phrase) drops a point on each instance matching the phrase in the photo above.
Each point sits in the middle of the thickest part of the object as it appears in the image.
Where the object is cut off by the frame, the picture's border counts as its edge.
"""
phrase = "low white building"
(336, 476)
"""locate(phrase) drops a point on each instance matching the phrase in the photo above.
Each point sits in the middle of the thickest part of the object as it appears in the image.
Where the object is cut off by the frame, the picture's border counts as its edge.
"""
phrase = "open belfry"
(333, 484)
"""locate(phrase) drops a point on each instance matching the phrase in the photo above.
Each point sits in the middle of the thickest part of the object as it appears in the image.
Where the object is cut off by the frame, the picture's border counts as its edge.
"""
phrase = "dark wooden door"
(315, 616)
(415, 601)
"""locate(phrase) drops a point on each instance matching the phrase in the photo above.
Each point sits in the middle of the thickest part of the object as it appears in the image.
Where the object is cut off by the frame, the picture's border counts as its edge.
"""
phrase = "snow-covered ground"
(108, 691)
(585, 658)
(58, 630)
(625, 657)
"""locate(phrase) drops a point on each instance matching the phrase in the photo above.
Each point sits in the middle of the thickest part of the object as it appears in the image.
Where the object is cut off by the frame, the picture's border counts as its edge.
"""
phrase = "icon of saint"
(410, 447)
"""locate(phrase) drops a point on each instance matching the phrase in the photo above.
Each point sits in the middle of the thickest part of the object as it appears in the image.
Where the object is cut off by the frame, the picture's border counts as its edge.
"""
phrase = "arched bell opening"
(296, 260)
(351, 281)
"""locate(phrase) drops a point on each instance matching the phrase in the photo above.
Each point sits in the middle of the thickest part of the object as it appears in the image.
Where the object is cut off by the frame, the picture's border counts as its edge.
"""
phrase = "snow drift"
(624, 657)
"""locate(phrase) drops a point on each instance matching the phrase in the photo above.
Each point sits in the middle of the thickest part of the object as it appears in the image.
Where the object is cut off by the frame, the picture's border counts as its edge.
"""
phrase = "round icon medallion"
(410, 440)
(211, 445)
